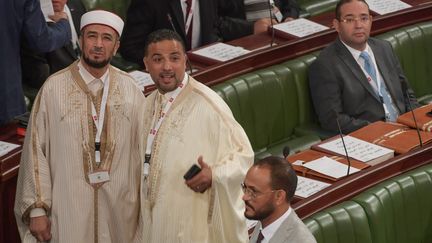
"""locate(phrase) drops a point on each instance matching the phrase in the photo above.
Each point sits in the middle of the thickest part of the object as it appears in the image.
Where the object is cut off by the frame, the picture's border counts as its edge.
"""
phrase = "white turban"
(104, 18)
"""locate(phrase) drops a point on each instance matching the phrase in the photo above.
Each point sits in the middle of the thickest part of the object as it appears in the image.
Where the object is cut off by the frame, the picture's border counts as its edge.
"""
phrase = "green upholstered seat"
(117, 6)
(345, 223)
(316, 7)
(272, 105)
(398, 210)
(413, 45)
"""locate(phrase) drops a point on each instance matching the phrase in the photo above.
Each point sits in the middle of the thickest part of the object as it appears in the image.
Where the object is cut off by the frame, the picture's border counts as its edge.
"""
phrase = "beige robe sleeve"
(234, 157)
(34, 178)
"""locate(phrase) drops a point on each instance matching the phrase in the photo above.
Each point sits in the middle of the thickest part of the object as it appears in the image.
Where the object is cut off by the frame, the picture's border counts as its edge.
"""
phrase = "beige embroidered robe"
(59, 152)
(198, 123)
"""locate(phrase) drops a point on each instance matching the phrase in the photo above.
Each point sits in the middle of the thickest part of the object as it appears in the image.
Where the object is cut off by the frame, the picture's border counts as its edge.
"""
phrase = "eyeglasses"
(253, 194)
(350, 20)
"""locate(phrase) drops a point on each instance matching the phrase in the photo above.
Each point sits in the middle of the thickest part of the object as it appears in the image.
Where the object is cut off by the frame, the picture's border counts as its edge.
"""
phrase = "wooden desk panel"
(349, 187)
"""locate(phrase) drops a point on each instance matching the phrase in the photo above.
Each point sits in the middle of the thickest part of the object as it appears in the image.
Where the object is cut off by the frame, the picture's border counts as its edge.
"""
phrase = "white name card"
(6, 147)
(307, 187)
(142, 79)
(357, 149)
(300, 27)
(330, 167)
(386, 6)
(221, 52)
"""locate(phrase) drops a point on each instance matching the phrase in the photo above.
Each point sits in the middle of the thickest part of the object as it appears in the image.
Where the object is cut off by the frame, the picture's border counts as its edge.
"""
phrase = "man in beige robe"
(70, 189)
(196, 127)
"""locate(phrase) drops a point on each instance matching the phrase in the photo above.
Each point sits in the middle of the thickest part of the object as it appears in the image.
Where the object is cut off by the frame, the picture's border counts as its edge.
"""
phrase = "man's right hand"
(262, 25)
(40, 228)
(58, 16)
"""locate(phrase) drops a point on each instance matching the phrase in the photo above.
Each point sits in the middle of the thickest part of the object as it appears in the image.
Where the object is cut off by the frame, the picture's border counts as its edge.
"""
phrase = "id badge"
(98, 177)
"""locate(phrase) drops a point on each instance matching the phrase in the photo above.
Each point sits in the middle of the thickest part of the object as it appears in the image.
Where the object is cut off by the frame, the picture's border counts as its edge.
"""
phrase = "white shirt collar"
(271, 229)
(88, 77)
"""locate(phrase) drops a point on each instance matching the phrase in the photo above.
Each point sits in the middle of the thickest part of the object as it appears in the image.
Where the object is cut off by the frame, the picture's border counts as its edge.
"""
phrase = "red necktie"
(189, 33)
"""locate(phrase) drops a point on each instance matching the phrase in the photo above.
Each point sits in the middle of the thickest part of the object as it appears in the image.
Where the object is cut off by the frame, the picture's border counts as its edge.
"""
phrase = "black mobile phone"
(429, 114)
(193, 171)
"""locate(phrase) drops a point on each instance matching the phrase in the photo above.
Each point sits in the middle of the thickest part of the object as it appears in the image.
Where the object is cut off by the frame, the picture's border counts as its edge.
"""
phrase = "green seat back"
(117, 6)
(413, 46)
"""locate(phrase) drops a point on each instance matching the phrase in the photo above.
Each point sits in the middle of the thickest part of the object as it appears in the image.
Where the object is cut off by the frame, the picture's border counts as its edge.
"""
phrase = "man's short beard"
(263, 213)
(95, 64)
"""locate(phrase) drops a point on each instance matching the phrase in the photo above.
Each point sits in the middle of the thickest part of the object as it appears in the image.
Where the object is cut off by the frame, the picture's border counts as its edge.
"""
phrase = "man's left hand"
(203, 180)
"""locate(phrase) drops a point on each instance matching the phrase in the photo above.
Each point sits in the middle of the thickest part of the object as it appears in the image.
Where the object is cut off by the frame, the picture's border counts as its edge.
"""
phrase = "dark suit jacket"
(37, 67)
(146, 16)
(291, 230)
(339, 86)
(232, 17)
(18, 19)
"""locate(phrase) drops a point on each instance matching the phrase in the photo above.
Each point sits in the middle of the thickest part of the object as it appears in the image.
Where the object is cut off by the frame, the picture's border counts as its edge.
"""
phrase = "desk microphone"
(271, 23)
(286, 151)
(175, 30)
(405, 90)
(343, 143)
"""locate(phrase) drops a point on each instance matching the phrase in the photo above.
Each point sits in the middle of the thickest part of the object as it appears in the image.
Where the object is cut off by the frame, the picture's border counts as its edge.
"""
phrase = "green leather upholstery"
(272, 104)
(413, 45)
(316, 7)
(398, 210)
(345, 223)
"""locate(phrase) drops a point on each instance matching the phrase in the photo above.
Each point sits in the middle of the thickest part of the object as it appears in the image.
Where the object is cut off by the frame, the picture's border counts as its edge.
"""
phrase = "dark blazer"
(37, 67)
(232, 21)
(291, 230)
(146, 16)
(18, 19)
(340, 89)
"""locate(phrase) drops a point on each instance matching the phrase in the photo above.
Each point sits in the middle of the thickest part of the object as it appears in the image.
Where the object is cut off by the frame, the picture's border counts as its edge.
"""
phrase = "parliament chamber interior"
(268, 92)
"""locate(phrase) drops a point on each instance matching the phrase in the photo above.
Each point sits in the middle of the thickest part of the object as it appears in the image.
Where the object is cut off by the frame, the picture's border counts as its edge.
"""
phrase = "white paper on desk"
(330, 167)
(300, 27)
(142, 79)
(386, 6)
(6, 147)
(356, 148)
(47, 9)
(221, 52)
(307, 187)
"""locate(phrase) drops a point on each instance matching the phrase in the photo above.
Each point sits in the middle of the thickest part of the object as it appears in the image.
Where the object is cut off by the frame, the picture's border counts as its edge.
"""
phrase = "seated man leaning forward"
(190, 124)
(268, 189)
(357, 79)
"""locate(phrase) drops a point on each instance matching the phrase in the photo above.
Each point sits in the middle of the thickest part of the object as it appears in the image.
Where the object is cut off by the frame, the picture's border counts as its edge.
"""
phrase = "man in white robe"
(196, 127)
(80, 171)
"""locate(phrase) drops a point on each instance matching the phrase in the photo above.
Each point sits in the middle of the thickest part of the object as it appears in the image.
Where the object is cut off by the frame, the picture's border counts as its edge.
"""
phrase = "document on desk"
(358, 149)
(221, 52)
(386, 6)
(142, 79)
(300, 27)
(307, 187)
(330, 167)
(6, 147)
(47, 9)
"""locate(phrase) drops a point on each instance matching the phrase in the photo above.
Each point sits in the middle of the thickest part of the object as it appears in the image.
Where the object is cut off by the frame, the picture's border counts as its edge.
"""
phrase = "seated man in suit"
(38, 66)
(193, 20)
(240, 18)
(268, 189)
(357, 79)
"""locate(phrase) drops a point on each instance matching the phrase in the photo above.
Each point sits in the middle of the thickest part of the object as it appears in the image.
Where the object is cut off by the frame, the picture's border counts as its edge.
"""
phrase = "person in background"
(24, 19)
(268, 189)
(37, 66)
(238, 18)
(357, 79)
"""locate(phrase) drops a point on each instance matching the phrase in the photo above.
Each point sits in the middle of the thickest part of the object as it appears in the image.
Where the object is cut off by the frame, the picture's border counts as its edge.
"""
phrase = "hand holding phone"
(193, 171)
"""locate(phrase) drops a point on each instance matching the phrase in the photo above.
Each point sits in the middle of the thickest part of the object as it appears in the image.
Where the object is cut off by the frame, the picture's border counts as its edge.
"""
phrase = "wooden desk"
(9, 165)
(349, 187)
